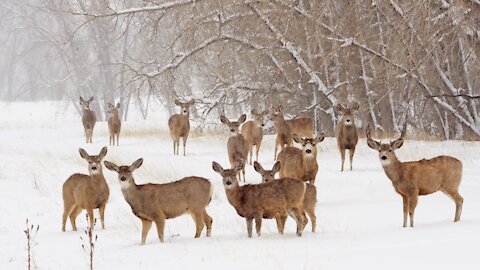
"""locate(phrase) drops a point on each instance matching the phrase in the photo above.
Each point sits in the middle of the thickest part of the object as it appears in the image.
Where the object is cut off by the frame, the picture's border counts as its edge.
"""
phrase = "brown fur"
(87, 192)
(89, 119)
(114, 123)
(309, 200)
(298, 163)
(284, 133)
(158, 202)
(301, 125)
(417, 178)
(237, 145)
(179, 125)
(253, 132)
(346, 132)
(269, 200)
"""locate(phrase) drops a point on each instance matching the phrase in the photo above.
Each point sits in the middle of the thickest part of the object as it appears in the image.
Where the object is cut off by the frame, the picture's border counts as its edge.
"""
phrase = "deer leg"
(243, 172)
(313, 218)
(249, 227)
(297, 215)
(405, 210)
(73, 217)
(118, 139)
(146, 225)
(173, 146)
(305, 219)
(276, 149)
(199, 223)
(351, 152)
(67, 209)
(412, 203)
(110, 139)
(160, 223)
(101, 210)
(178, 145)
(91, 217)
(258, 149)
(184, 143)
(455, 196)
(208, 222)
(251, 153)
(258, 224)
(342, 154)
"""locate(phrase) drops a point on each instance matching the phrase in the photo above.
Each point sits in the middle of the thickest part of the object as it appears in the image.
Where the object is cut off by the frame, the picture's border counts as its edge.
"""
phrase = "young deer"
(346, 131)
(309, 200)
(253, 131)
(87, 192)
(89, 119)
(114, 123)
(302, 126)
(275, 199)
(179, 125)
(158, 202)
(301, 163)
(237, 145)
(284, 132)
(417, 178)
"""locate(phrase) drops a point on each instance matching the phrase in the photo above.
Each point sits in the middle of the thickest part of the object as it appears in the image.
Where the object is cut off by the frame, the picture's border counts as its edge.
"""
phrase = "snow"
(359, 215)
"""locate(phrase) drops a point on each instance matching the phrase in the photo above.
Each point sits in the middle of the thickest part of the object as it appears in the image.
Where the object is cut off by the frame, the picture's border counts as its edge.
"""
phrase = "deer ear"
(177, 102)
(81, 99)
(91, 99)
(110, 105)
(83, 153)
(135, 165)
(276, 167)
(266, 111)
(355, 106)
(103, 152)
(297, 139)
(217, 167)
(253, 112)
(320, 137)
(339, 108)
(397, 144)
(280, 108)
(224, 120)
(112, 167)
(242, 118)
(258, 167)
(118, 105)
(239, 165)
(373, 144)
(192, 102)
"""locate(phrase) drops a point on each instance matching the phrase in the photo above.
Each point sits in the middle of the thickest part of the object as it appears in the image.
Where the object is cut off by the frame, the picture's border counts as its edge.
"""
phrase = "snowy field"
(359, 215)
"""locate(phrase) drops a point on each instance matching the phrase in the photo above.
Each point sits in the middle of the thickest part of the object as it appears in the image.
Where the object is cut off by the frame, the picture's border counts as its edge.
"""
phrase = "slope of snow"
(359, 215)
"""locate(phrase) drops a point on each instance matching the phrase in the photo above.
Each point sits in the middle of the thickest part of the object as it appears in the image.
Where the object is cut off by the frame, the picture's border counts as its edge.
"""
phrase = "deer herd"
(292, 194)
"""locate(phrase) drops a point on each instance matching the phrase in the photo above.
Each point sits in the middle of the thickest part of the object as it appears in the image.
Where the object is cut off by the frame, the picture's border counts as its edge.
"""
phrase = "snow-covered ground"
(359, 215)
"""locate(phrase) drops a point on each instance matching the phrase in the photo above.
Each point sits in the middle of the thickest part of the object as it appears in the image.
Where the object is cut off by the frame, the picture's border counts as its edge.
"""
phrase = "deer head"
(94, 162)
(184, 106)
(234, 127)
(348, 115)
(267, 175)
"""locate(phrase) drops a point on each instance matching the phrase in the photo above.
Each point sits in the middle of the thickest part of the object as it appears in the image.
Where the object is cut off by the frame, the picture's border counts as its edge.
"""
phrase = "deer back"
(237, 147)
(301, 126)
(252, 131)
(87, 191)
(89, 119)
(291, 163)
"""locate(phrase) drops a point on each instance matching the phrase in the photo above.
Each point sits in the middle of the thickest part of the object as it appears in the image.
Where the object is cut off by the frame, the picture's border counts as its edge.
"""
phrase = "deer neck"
(115, 115)
(233, 197)
(129, 190)
(309, 161)
(393, 169)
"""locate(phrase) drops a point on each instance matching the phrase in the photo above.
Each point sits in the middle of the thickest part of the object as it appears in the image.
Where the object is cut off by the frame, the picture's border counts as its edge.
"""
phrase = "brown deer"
(89, 119)
(309, 200)
(237, 145)
(179, 125)
(301, 125)
(114, 123)
(284, 132)
(417, 178)
(275, 199)
(87, 192)
(346, 131)
(158, 202)
(253, 131)
(301, 163)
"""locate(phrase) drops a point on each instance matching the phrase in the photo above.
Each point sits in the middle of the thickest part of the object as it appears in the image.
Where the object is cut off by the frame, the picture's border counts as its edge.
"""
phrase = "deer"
(309, 199)
(158, 202)
(87, 192)
(253, 131)
(179, 125)
(302, 126)
(89, 119)
(275, 199)
(346, 132)
(114, 123)
(301, 163)
(237, 145)
(284, 132)
(418, 178)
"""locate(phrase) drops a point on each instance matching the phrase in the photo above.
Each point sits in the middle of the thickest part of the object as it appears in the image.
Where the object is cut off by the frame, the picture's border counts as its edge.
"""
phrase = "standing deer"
(87, 192)
(237, 145)
(284, 132)
(179, 125)
(114, 123)
(89, 119)
(302, 126)
(253, 131)
(346, 131)
(309, 200)
(158, 202)
(301, 163)
(274, 199)
(417, 178)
